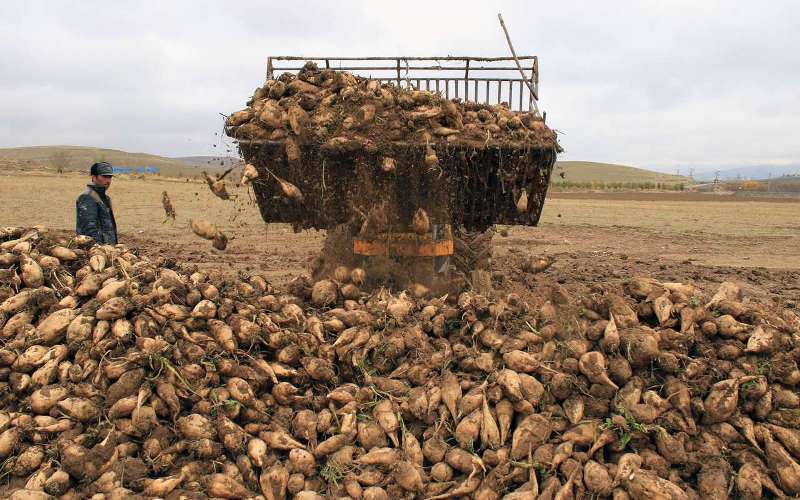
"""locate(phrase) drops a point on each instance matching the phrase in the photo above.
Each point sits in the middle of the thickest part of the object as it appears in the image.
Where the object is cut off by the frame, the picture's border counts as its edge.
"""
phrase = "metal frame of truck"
(489, 80)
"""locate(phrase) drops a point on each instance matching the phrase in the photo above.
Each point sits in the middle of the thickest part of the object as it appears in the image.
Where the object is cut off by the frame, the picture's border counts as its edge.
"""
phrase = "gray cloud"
(654, 84)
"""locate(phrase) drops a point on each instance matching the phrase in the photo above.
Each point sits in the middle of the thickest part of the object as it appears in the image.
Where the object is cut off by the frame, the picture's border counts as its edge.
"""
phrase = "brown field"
(676, 236)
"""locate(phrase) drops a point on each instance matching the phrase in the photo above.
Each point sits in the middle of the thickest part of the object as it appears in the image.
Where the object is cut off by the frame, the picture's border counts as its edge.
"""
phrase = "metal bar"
(392, 58)
(417, 83)
(460, 79)
(428, 84)
(389, 68)
(269, 68)
(487, 93)
(412, 247)
(516, 59)
(327, 63)
(447, 89)
(455, 84)
(398, 72)
(466, 81)
(531, 95)
(437, 85)
(520, 95)
(510, 94)
(476, 90)
(490, 79)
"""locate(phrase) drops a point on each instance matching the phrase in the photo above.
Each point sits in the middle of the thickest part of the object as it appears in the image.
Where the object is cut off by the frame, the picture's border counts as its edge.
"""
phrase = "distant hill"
(753, 172)
(79, 158)
(203, 161)
(587, 171)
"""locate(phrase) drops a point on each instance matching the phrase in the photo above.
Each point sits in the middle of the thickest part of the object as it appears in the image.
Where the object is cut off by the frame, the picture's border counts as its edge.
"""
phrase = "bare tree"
(60, 160)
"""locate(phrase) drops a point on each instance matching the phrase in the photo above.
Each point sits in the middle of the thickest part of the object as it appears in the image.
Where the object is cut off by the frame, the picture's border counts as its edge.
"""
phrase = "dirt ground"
(671, 236)
(683, 196)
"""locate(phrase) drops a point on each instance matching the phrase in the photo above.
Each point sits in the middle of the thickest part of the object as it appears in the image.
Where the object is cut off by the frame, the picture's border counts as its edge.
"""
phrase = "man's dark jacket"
(95, 216)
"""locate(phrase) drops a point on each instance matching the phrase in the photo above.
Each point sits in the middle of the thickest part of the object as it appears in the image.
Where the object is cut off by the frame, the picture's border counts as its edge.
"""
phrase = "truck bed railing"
(488, 80)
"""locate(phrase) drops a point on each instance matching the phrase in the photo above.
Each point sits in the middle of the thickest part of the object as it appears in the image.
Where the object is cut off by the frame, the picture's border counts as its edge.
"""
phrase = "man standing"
(95, 216)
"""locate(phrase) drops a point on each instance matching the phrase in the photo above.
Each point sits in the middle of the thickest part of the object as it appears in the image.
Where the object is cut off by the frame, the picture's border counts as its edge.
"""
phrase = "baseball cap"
(102, 168)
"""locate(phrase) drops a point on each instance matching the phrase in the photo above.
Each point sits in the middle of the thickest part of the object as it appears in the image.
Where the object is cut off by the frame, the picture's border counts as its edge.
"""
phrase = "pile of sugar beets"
(349, 113)
(124, 377)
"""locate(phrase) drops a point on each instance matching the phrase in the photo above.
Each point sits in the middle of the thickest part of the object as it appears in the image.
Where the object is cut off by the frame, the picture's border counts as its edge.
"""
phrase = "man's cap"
(102, 168)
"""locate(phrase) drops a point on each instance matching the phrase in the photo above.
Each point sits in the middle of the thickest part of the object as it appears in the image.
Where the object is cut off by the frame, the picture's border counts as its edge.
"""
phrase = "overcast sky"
(657, 84)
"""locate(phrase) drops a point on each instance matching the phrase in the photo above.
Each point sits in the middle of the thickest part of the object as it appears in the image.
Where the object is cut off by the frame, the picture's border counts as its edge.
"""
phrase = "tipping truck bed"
(383, 146)
(472, 187)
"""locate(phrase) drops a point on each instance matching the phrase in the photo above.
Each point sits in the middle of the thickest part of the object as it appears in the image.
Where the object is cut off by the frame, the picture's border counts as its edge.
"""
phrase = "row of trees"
(618, 186)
